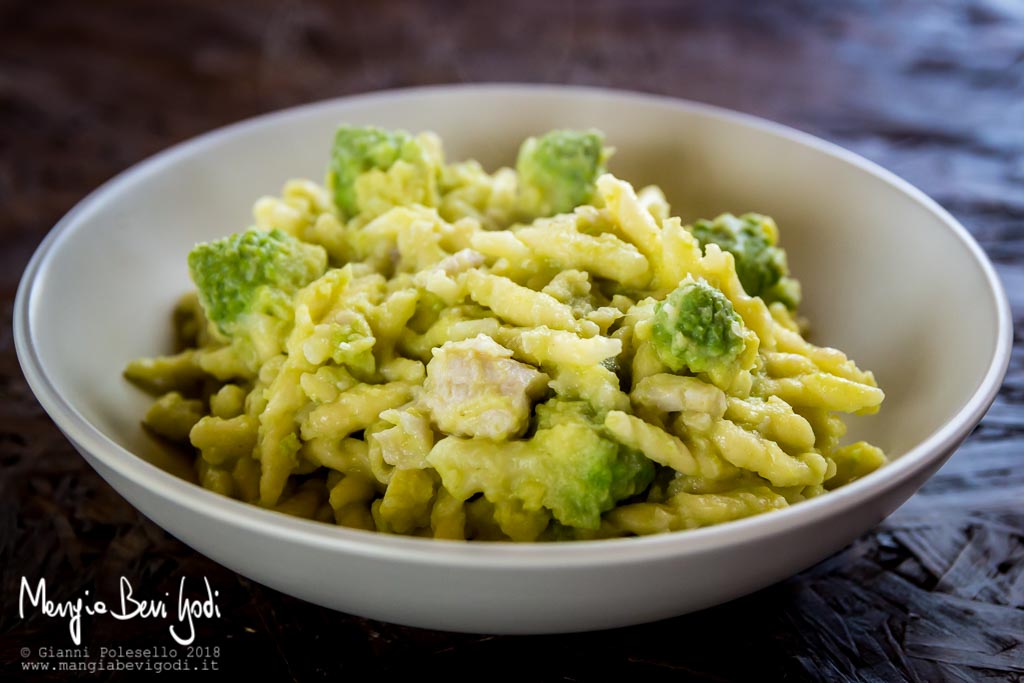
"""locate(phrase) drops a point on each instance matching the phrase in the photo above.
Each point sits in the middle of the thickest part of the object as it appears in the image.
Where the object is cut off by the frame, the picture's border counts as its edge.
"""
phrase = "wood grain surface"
(931, 89)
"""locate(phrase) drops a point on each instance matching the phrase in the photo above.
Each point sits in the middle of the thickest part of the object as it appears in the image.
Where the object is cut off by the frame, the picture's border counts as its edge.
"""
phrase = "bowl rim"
(89, 439)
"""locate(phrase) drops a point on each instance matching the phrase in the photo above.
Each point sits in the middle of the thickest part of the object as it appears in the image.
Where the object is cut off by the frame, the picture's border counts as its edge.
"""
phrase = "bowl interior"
(884, 277)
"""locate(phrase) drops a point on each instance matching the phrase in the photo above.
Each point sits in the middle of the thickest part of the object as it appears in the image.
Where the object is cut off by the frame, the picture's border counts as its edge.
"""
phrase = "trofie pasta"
(535, 354)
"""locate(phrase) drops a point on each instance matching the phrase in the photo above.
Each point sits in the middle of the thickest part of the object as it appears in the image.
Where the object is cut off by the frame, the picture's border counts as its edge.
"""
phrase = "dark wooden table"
(932, 90)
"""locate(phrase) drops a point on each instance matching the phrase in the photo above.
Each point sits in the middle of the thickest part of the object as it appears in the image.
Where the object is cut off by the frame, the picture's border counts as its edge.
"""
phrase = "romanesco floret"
(252, 271)
(567, 467)
(360, 149)
(760, 264)
(696, 328)
(557, 171)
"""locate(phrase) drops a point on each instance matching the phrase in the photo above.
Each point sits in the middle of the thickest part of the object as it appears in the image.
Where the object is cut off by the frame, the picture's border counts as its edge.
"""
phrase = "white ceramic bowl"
(888, 276)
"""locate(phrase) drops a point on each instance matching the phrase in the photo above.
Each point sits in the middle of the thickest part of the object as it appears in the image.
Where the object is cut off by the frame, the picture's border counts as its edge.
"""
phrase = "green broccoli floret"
(760, 264)
(252, 271)
(560, 411)
(696, 328)
(360, 149)
(557, 171)
(585, 473)
(567, 467)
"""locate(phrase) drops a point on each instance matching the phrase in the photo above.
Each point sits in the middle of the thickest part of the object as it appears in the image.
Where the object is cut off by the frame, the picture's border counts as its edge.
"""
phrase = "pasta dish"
(540, 353)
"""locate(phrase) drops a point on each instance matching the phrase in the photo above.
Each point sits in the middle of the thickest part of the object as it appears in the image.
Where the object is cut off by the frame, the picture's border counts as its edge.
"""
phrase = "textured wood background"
(932, 89)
